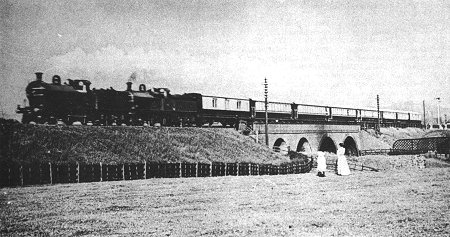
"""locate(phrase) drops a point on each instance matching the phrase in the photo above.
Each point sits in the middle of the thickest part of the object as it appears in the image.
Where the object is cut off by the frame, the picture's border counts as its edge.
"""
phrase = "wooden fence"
(12, 174)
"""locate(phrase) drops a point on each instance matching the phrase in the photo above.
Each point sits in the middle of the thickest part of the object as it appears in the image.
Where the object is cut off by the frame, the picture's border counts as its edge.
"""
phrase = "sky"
(337, 53)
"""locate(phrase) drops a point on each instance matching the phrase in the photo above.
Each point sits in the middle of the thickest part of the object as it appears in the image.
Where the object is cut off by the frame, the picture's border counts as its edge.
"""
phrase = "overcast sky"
(340, 53)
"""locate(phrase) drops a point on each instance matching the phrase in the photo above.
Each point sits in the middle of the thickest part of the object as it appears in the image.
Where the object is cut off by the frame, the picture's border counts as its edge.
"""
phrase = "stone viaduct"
(310, 137)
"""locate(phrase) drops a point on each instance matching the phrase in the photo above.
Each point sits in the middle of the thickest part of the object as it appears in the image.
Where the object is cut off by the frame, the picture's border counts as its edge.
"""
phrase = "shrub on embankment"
(90, 144)
(370, 139)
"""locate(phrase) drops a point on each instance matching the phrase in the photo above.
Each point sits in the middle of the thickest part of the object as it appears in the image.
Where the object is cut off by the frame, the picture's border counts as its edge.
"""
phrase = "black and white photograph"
(224, 118)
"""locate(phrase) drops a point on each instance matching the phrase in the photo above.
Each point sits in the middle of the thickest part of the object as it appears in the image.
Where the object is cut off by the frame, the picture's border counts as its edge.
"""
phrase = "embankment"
(89, 144)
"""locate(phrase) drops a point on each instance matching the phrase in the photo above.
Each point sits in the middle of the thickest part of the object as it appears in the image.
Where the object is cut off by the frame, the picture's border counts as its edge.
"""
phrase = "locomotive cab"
(160, 92)
(80, 85)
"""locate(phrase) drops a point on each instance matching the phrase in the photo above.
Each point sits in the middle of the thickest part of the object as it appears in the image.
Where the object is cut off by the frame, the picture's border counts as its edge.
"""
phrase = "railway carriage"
(415, 120)
(369, 118)
(227, 111)
(390, 117)
(343, 115)
(277, 112)
(76, 102)
(312, 113)
(369, 115)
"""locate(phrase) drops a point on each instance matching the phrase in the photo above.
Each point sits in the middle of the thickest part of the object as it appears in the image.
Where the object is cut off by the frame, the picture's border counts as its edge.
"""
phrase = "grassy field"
(409, 197)
(407, 202)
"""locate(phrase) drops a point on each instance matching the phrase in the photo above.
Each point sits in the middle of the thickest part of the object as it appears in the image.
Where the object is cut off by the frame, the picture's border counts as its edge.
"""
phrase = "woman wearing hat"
(342, 165)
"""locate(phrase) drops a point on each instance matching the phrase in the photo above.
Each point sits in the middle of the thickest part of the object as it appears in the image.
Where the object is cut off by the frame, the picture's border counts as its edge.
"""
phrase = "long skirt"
(321, 164)
(342, 166)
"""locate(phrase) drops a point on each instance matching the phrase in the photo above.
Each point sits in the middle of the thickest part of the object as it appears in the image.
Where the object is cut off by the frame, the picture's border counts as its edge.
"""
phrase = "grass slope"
(437, 133)
(387, 137)
(31, 143)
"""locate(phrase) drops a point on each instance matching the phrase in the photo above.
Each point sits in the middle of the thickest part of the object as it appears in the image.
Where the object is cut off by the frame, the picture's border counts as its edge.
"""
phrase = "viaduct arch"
(310, 138)
(304, 146)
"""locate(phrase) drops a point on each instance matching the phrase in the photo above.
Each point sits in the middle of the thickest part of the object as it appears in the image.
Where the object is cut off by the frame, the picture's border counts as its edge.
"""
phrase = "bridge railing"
(374, 152)
(437, 145)
(396, 152)
(305, 128)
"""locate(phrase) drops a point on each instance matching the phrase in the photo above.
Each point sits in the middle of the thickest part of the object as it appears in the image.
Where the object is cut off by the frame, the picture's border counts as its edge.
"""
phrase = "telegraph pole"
(439, 111)
(378, 112)
(424, 114)
(266, 90)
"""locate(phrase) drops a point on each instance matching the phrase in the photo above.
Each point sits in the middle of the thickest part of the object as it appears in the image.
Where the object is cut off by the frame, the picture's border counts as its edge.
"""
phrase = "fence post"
(145, 169)
(68, 173)
(40, 173)
(237, 169)
(51, 173)
(226, 168)
(211, 169)
(101, 172)
(181, 172)
(21, 175)
(123, 171)
(78, 172)
(257, 167)
(250, 169)
(196, 169)
(9, 175)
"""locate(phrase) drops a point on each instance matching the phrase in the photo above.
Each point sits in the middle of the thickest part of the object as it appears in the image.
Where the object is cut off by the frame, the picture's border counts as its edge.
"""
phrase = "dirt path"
(391, 203)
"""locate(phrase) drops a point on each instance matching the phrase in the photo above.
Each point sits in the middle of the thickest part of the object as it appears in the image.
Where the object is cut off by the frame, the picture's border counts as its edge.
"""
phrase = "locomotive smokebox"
(129, 85)
(38, 76)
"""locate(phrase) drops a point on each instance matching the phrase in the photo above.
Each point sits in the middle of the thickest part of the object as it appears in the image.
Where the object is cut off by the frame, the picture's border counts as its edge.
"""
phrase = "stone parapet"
(306, 128)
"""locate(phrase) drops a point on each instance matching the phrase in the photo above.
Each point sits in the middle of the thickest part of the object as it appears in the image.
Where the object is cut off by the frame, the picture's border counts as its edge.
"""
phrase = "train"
(75, 102)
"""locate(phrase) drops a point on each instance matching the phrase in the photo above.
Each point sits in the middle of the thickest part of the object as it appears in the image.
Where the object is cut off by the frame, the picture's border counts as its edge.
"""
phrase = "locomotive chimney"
(129, 85)
(38, 76)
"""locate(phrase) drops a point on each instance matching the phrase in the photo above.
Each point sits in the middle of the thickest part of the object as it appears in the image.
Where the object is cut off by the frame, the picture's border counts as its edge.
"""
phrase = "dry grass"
(437, 133)
(399, 162)
(391, 203)
(388, 136)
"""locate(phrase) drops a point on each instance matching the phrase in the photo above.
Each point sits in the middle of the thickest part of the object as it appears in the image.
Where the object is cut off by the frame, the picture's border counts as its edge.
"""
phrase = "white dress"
(321, 162)
(342, 165)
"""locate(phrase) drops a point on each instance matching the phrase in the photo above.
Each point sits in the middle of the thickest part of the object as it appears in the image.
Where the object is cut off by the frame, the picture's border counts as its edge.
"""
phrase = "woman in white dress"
(321, 164)
(342, 165)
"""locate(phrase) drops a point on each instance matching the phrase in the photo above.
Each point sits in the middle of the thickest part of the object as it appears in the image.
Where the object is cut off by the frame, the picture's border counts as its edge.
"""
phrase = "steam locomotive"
(74, 102)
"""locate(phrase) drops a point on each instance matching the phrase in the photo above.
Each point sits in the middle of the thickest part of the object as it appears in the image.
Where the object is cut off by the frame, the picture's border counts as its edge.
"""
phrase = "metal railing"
(374, 152)
(438, 145)
(422, 145)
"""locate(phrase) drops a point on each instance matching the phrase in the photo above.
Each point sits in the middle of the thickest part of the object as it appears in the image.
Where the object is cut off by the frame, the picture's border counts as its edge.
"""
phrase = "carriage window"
(214, 102)
(238, 105)
(227, 103)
